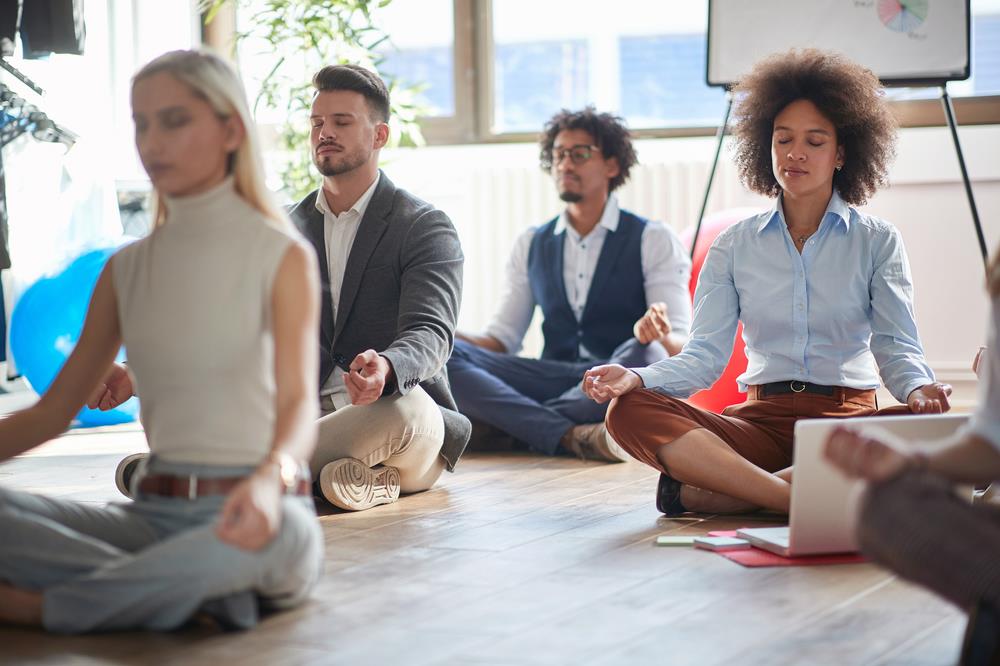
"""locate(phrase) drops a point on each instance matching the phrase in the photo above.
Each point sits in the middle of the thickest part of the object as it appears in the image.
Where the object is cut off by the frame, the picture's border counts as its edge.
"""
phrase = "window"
(425, 56)
(89, 93)
(496, 70)
(640, 61)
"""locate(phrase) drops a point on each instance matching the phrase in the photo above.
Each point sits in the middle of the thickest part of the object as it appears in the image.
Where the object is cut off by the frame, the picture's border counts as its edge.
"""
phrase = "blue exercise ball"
(46, 324)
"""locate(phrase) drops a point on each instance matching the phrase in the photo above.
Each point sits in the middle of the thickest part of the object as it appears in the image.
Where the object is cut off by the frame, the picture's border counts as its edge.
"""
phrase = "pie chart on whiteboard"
(902, 15)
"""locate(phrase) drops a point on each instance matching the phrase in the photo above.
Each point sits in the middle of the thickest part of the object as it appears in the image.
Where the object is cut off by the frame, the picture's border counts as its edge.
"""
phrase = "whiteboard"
(902, 41)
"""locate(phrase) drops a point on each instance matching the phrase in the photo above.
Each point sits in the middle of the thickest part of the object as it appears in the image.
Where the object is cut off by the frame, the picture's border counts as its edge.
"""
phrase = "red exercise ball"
(725, 391)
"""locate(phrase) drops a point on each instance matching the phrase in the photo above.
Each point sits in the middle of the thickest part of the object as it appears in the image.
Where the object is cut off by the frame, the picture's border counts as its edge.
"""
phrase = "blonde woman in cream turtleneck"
(217, 311)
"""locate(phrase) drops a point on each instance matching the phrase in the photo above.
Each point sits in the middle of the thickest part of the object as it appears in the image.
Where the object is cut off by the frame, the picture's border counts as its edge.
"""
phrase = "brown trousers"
(916, 526)
(760, 429)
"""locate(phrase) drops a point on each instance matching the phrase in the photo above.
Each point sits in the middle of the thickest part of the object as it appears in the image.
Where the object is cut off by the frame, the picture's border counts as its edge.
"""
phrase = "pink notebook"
(755, 557)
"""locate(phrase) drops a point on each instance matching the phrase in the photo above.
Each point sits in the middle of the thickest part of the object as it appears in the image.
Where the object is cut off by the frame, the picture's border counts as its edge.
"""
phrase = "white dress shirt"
(666, 270)
(339, 232)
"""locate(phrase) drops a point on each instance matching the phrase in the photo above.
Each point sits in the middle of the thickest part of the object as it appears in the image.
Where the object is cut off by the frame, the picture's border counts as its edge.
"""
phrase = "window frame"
(473, 79)
(474, 100)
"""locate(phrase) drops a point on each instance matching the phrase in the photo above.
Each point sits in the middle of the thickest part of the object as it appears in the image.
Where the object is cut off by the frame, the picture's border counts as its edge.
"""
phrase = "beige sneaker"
(352, 485)
(591, 441)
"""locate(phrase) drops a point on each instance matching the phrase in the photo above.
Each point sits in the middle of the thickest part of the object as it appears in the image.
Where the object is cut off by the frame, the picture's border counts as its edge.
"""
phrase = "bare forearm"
(295, 426)
(484, 341)
(673, 343)
(969, 459)
(25, 430)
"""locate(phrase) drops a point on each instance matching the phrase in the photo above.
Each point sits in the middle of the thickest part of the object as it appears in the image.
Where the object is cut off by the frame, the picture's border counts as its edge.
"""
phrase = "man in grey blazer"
(391, 268)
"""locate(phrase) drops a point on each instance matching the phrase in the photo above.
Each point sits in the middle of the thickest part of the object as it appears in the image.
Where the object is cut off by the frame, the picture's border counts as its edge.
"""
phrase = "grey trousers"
(152, 563)
(916, 526)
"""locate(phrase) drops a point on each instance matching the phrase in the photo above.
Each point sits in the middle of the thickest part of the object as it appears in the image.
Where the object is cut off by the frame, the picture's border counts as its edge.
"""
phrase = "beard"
(571, 197)
(338, 164)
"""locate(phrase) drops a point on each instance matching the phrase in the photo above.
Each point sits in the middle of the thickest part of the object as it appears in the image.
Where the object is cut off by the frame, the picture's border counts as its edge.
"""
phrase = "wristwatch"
(289, 471)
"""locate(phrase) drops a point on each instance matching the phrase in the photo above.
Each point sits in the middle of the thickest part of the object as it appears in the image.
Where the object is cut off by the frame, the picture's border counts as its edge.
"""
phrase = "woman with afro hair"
(823, 291)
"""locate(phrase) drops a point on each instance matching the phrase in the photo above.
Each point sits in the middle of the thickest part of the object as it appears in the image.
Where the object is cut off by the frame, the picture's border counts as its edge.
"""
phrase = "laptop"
(824, 504)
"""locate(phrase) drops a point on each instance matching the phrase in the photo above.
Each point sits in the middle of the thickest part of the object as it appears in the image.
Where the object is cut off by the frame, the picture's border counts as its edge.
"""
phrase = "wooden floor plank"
(518, 559)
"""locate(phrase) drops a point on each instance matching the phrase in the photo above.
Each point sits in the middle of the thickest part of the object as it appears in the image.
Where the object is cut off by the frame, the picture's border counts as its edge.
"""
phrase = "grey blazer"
(401, 293)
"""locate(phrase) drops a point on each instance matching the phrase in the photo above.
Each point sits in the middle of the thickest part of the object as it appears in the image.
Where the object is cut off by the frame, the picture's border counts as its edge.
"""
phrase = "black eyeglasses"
(578, 154)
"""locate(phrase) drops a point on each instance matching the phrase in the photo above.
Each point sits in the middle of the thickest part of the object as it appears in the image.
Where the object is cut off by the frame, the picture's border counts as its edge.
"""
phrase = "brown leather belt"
(761, 391)
(192, 487)
(794, 386)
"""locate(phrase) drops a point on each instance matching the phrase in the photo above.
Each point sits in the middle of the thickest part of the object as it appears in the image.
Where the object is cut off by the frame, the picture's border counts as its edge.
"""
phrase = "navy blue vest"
(617, 297)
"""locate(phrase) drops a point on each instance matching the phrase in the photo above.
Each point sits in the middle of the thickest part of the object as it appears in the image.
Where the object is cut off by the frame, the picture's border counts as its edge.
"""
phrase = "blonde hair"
(214, 80)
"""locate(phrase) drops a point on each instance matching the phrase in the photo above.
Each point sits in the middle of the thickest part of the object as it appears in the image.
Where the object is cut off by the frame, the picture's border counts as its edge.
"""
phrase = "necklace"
(801, 238)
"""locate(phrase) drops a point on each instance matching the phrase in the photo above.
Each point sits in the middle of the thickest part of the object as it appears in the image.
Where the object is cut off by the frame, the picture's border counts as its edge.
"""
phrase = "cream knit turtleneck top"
(194, 305)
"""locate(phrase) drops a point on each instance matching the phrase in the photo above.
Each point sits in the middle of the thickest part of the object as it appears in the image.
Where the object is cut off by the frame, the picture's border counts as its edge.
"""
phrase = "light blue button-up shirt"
(826, 316)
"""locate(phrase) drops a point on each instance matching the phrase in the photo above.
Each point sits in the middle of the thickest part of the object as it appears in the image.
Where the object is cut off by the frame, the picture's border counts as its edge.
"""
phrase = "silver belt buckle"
(192, 487)
(792, 384)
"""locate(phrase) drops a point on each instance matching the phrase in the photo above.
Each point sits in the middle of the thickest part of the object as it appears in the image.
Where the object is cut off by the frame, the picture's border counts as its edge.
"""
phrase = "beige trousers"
(401, 431)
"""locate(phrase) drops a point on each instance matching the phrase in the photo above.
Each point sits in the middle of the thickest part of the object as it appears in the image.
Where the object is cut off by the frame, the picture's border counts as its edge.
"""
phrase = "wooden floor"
(518, 559)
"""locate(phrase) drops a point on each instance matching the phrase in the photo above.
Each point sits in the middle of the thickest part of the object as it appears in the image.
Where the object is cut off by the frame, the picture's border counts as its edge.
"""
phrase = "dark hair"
(359, 80)
(609, 132)
(846, 93)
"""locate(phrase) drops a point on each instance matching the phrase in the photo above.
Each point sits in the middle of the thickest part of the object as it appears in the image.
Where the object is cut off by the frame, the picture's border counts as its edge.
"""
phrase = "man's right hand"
(654, 325)
(114, 389)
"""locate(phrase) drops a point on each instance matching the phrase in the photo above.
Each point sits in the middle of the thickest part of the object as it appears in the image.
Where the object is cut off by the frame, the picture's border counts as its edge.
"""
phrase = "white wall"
(493, 192)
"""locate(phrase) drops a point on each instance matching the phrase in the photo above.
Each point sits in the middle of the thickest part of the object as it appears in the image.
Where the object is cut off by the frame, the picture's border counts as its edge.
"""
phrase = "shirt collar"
(359, 206)
(836, 207)
(609, 217)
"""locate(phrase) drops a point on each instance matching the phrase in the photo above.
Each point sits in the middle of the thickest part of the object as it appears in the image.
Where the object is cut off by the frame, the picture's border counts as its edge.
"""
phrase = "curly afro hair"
(849, 95)
(609, 132)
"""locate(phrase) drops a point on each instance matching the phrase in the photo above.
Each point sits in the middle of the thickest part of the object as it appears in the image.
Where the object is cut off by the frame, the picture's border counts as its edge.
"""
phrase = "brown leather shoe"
(591, 441)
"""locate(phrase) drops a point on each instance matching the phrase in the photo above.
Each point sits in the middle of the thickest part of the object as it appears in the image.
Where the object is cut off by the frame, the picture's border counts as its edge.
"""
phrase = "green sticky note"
(675, 540)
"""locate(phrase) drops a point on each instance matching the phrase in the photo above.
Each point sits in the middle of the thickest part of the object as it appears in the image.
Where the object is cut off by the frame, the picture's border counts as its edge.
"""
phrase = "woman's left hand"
(251, 516)
(929, 399)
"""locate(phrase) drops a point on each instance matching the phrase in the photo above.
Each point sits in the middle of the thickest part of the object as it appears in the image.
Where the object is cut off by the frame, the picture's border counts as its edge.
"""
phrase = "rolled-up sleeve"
(517, 305)
(666, 271)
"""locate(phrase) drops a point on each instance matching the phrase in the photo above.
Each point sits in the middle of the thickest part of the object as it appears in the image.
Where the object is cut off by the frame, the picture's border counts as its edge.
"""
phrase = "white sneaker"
(126, 472)
(352, 485)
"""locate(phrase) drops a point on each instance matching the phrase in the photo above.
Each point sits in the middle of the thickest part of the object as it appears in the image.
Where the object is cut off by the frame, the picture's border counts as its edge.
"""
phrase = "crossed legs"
(732, 462)
(379, 450)
(74, 568)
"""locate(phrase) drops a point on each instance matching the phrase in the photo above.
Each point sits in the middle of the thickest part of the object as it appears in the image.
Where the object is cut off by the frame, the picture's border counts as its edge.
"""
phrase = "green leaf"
(306, 35)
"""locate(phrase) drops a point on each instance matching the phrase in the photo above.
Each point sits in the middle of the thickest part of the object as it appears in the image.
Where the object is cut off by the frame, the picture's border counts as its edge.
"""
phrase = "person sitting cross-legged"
(823, 291)
(612, 287)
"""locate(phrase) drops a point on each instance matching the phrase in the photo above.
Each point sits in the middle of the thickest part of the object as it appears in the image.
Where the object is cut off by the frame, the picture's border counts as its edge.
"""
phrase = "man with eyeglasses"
(610, 285)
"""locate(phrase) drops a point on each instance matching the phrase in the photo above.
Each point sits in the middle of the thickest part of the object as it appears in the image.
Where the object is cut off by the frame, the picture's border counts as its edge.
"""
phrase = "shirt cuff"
(910, 387)
(510, 343)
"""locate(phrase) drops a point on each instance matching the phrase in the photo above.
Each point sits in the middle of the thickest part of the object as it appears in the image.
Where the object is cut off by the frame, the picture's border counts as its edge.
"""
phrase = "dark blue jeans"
(534, 400)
